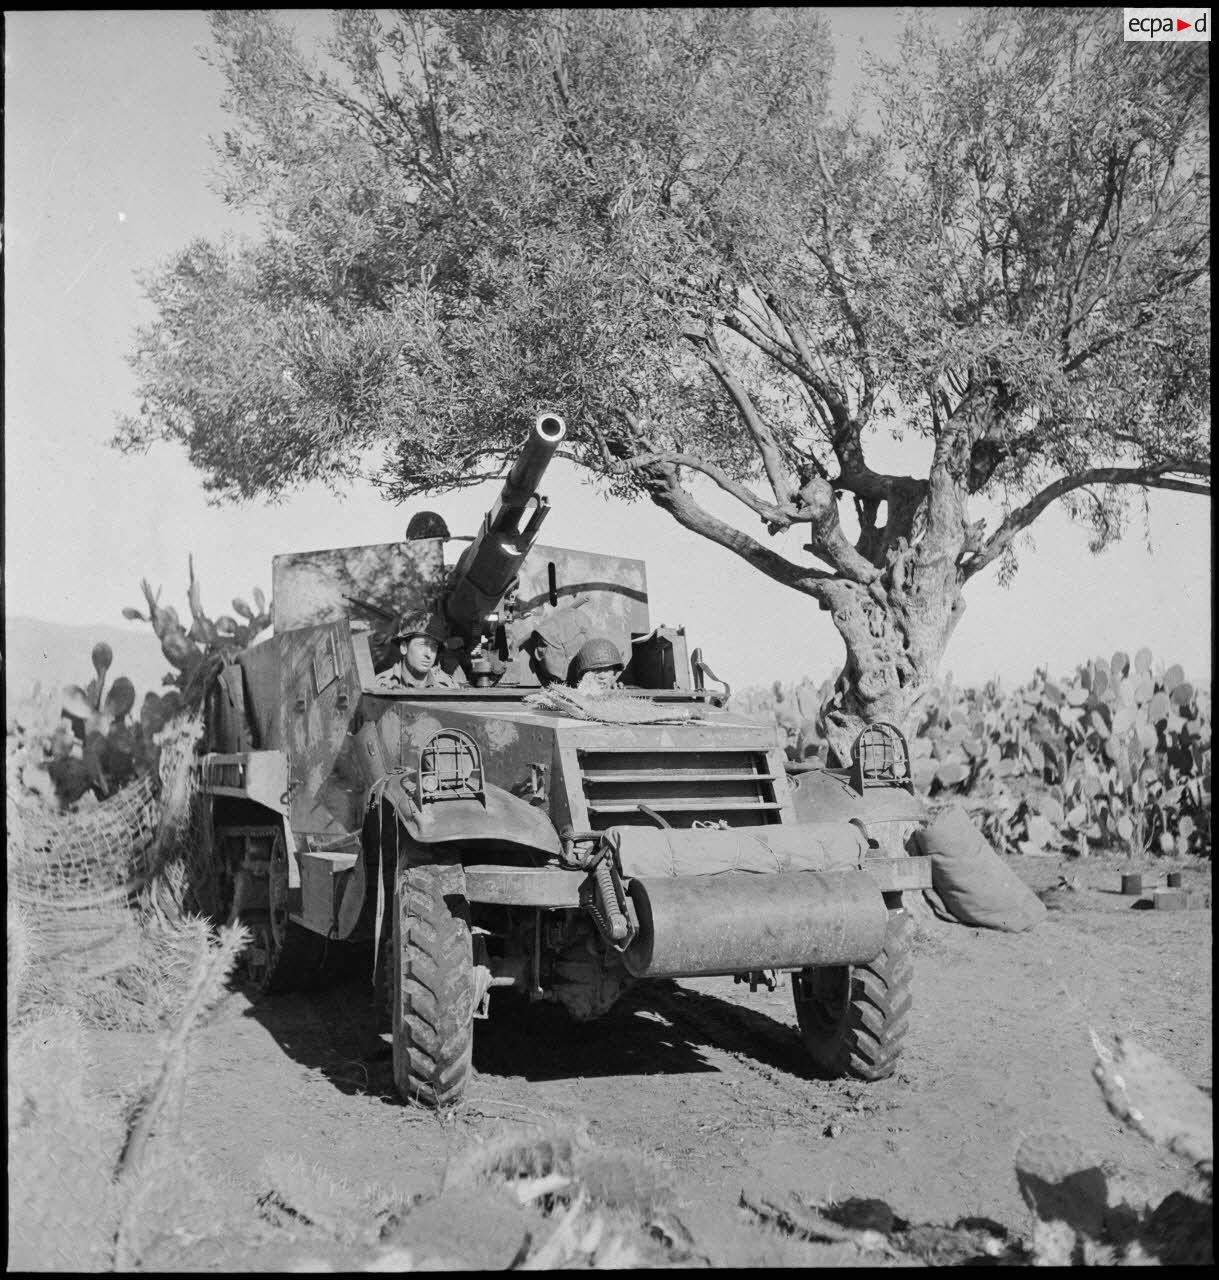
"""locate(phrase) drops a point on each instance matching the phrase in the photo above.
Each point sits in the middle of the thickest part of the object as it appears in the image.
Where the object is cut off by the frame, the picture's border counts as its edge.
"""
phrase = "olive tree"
(651, 221)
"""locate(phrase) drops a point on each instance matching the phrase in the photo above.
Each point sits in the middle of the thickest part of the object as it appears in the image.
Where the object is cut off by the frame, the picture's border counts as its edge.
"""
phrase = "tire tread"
(432, 990)
(866, 1041)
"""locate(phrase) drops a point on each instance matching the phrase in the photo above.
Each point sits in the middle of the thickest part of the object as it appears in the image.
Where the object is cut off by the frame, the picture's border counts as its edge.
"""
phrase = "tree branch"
(670, 496)
(831, 397)
(1111, 187)
(829, 543)
(772, 460)
(330, 94)
(1155, 477)
(842, 429)
(779, 516)
(1185, 279)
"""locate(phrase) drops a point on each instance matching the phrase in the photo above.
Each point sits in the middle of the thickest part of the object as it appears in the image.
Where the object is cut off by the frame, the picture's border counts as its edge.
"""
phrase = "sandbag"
(973, 882)
(700, 851)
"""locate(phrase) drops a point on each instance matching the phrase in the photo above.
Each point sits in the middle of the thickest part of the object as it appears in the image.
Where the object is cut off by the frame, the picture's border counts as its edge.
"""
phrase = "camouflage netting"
(96, 897)
(98, 936)
(611, 708)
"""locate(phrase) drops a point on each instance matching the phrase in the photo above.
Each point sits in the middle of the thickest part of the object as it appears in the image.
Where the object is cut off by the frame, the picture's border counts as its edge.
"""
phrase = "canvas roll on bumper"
(691, 926)
(719, 901)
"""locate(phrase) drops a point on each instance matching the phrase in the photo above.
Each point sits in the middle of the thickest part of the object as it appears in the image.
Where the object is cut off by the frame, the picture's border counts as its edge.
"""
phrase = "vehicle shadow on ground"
(333, 1027)
(542, 1042)
(337, 1030)
(658, 1028)
(731, 1027)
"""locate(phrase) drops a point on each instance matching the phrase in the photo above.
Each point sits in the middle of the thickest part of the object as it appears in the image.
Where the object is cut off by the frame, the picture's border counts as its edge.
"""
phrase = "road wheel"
(431, 987)
(854, 1017)
(281, 955)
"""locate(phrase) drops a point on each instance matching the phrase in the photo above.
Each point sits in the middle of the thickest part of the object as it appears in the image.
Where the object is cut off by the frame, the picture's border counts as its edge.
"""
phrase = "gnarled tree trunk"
(894, 643)
(897, 627)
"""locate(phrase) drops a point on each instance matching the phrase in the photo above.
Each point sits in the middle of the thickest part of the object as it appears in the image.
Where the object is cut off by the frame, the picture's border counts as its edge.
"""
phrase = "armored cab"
(496, 828)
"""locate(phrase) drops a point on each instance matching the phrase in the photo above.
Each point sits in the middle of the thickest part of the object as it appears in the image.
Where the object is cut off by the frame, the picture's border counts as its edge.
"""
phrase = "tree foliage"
(650, 220)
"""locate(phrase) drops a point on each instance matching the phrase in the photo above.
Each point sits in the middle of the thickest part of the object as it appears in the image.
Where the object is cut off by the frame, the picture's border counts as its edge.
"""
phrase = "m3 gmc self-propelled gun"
(503, 835)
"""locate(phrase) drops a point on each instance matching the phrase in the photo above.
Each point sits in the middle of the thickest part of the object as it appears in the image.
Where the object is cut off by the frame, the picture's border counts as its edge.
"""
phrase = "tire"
(853, 1018)
(431, 986)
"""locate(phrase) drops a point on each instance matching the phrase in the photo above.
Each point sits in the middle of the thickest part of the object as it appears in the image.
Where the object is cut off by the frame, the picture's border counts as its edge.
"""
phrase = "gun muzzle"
(526, 474)
(490, 564)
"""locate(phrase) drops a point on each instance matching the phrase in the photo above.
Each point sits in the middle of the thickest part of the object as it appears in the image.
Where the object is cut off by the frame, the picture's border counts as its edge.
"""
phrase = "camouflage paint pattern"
(311, 587)
(609, 593)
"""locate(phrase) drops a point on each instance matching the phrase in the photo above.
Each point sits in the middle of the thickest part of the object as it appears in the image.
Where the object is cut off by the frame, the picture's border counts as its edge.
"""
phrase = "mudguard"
(826, 795)
(503, 818)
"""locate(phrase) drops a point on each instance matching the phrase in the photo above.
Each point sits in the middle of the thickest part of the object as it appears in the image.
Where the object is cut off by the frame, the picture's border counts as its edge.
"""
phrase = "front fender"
(501, 818)
(825, 795)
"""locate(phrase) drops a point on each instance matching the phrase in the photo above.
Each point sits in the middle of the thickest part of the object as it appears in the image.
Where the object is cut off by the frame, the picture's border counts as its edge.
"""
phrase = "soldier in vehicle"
(427, 524)
(418, 640)
(597, 666)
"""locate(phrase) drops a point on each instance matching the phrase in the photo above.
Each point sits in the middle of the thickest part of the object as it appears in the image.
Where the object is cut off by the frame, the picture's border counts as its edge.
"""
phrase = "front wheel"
(431, 988)
(853, 1018)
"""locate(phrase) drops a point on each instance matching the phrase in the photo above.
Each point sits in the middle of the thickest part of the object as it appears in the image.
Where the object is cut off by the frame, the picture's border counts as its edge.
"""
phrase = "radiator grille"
(733, 785)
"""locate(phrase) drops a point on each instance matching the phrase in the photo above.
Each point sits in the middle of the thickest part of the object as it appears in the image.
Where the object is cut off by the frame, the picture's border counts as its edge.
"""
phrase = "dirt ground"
(711, 1081)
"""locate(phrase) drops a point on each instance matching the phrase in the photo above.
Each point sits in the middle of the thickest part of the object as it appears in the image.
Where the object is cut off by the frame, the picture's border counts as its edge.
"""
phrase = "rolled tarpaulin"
(702, 851)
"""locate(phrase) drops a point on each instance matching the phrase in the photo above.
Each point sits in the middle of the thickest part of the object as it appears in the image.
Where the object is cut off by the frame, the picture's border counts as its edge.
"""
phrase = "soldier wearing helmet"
(597, 666)
(418, 640)
(427, 524)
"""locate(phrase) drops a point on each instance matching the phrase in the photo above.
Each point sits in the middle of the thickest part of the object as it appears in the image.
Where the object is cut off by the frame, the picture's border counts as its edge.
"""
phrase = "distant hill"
(56, 653)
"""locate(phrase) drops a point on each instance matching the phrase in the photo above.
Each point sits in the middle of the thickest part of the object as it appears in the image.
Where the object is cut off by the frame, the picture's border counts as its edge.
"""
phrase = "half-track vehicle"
(505, 835)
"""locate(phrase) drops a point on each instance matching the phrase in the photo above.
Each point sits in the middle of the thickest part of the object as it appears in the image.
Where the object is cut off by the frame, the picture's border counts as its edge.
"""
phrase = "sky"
(107, 163)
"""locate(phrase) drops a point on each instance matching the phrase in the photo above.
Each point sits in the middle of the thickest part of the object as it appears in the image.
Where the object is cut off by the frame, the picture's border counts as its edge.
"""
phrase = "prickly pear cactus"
(1115, 756)
(1086, 1214)
(1154, 1098)
(84, 743)
(198, 654)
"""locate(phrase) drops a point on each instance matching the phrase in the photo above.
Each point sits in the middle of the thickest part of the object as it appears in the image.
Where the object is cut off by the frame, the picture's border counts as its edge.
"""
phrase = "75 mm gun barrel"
(490, 564)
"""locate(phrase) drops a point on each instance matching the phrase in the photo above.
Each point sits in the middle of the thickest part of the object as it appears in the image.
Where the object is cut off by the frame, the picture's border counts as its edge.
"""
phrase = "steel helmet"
(426, 524)
(597, 654)
(421, 624)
